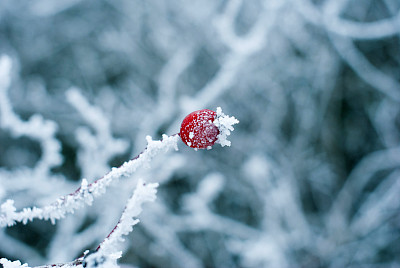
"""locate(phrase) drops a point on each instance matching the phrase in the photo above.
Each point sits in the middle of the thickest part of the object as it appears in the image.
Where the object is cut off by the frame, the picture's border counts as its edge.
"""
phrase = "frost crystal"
(225, 125)
(144, 192)
(12, 264)
(87, 192)
(100, 260)
(7, 210)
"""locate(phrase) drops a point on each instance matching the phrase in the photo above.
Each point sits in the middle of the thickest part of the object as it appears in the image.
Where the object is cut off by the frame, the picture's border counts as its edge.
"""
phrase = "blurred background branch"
(311, 179)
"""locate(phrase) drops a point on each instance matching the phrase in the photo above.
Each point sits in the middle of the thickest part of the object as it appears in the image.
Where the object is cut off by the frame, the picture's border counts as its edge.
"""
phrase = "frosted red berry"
(198, 130)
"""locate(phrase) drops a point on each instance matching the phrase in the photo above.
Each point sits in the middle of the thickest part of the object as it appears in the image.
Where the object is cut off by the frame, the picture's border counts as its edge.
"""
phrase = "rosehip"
(198, 130)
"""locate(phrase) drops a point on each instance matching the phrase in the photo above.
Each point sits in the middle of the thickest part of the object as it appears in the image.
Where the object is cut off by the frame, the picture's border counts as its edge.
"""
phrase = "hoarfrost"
(87, 192)
(225, 125)
(144, 192)
(12, 264)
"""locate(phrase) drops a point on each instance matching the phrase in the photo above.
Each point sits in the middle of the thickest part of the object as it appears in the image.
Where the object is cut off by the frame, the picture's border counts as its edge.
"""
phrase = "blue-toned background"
(312, 178)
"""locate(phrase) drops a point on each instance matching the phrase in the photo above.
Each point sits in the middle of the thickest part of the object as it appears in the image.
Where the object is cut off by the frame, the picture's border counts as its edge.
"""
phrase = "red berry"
(198, 130)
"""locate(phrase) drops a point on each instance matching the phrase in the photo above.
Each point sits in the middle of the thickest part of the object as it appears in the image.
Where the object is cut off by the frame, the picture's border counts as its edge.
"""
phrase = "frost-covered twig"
(97, 148)
(144, 192)
(86, 193)
(242, 48)
(36, 127)
(347, 28)
(363, 67)
(106, 254)
(342, 34)
(11, 264)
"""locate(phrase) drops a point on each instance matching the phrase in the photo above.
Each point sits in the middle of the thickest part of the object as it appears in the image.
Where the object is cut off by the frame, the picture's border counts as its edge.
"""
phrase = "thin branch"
(86, 192)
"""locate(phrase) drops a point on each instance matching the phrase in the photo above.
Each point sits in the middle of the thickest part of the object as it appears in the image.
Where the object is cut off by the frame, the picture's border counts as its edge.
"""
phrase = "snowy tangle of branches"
(312, 178)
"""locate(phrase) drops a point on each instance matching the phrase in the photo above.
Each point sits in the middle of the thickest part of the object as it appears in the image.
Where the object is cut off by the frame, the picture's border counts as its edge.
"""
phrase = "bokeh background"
(312, 178)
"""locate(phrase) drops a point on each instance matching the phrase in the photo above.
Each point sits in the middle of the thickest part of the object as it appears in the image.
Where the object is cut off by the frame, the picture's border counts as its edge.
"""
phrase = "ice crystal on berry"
(225, 126)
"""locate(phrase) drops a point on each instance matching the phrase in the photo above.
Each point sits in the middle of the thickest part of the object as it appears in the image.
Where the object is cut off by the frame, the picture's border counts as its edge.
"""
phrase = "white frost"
(144, 192)
(12, 264)
(36, 127)
(225, 125)
(87, 192)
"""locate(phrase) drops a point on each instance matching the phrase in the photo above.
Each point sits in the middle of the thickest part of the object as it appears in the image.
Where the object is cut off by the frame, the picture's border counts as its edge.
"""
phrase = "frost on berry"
(198, 130)
(224, 124)
(201, 129)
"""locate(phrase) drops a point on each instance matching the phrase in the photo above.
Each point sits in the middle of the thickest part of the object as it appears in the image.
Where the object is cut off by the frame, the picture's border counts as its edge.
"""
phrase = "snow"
(225, 125)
